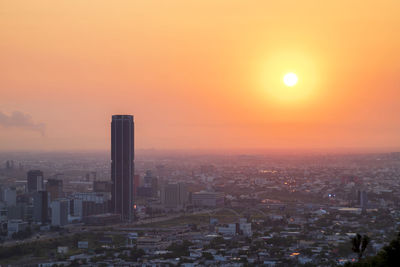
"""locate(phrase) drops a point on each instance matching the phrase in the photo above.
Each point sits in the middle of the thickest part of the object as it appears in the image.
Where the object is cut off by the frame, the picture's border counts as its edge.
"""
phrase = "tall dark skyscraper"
(34, 181)
(122, 165)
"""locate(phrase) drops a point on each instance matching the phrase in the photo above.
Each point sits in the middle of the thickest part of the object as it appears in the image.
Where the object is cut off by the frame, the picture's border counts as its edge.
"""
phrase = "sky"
(201, 75)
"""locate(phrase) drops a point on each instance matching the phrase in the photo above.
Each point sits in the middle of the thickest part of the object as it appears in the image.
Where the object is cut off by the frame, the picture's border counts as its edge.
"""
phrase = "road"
(74, 228)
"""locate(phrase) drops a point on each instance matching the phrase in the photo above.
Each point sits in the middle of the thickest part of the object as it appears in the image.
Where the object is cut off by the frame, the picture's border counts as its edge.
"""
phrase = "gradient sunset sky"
(200, 74)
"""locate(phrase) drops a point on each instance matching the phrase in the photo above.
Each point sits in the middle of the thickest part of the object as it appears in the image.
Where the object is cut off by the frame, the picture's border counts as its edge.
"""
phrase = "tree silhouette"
(388, 256)
(359, 244)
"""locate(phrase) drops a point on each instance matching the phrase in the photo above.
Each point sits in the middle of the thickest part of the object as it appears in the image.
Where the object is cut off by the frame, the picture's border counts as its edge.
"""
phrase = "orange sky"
(200, 74)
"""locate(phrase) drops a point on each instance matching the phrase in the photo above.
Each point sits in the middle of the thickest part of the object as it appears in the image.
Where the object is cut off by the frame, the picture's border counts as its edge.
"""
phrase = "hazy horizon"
(222, 152)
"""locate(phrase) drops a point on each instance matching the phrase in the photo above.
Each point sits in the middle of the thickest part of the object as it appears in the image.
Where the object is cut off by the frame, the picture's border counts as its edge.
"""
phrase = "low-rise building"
(208, 199)
(15, 226)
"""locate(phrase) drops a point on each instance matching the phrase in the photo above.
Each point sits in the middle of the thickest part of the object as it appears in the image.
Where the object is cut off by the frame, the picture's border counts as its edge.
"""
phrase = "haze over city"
(200, 75)
(199, 133)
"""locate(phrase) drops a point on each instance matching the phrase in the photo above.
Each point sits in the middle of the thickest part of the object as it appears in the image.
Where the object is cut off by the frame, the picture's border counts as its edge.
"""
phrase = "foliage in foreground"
(387, 257)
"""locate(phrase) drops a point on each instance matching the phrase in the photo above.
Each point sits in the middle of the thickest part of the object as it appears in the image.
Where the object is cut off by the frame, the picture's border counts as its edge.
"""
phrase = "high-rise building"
(59, 212)
(55, 188)
(40, 206)
(122, 165)
(10, 196)
(34, 181)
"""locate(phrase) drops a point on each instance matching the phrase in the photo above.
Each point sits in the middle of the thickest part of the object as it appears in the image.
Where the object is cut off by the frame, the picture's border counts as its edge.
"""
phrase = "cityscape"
(199, 133)
(62, 209)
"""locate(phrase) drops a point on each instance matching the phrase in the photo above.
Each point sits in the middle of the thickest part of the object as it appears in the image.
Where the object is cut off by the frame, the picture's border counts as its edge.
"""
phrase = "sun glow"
(290, 79)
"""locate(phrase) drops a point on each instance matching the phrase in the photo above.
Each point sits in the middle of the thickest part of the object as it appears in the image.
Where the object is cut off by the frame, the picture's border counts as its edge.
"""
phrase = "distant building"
(9, 164)
(41, 206)
(161, 171)
(174, 195)
(91, 176)
(15, 226)
(3, 215)
(83, 244)
(55, 188)
(17, 212)
(91, 203)
(122, 165)
(363, 198)
(229, 229)
(62, 250)
(151, 181)
(145, 192)
(34, 181)
(245, 227)
(10, 196)
(208, 199)
(136, 184)
(241, 228)
(102, 186)
(59, 212)
(207, 169)
(102, 219)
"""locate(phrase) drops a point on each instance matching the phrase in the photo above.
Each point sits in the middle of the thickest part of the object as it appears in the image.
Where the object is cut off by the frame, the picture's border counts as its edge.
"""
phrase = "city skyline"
(202, 76)
(199, 133)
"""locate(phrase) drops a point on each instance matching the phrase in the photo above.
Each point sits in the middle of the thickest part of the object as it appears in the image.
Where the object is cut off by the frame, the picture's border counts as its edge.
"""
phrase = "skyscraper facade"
(122, 165)
(59, 212)
(34, 181)
(40, 206)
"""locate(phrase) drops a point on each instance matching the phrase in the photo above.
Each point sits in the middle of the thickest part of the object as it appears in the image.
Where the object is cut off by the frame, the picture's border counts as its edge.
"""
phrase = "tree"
(359, 244)
(208, 256)
(178, 249)
(388, 256)
(136, 253)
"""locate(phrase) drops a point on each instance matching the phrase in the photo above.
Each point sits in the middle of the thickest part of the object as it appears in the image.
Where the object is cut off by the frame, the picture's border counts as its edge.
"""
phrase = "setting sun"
(290, 79)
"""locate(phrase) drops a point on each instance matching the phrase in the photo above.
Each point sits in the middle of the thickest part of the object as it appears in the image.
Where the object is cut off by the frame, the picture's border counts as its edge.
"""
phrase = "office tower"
(59, 212)
(174, 195)
(10, 196)
(55, 188)
(122, 165)
(34, 181)
(40, 206)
